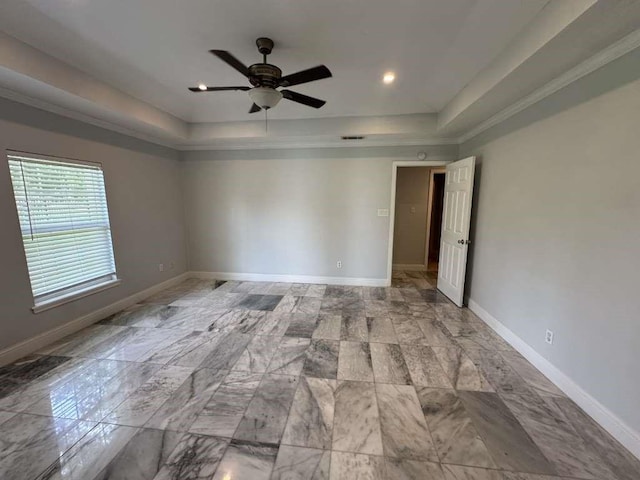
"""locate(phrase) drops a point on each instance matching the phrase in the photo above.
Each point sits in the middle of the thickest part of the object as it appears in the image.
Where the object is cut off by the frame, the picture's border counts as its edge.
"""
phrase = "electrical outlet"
(339, 264)
(548, 337)
(161, 267)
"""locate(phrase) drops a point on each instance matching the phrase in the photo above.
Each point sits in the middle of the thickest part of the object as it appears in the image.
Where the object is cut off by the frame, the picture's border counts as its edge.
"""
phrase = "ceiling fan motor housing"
(264, 75)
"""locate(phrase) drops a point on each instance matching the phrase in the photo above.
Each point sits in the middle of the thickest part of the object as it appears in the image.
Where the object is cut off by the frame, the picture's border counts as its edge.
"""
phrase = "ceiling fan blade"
(218, 89)
(254, 108)
(303, 99)
(232, 61)
(305, 76)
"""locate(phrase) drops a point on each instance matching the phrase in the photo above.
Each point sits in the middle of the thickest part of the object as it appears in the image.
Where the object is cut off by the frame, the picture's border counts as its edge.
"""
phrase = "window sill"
(70, 297)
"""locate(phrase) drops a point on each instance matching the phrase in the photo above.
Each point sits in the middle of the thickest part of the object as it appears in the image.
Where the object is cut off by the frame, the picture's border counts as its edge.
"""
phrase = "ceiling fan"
(267, 78)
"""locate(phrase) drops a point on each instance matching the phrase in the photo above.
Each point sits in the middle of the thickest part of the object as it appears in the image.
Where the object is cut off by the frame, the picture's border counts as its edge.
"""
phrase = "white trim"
(392, 207)
(591, 64)
(417, 267)
(266, 277)
(75, 295)
(622, 432)
(31, 345)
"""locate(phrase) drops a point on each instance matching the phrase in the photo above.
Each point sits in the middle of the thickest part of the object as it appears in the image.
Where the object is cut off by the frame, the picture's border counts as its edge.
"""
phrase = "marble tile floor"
(250, 381)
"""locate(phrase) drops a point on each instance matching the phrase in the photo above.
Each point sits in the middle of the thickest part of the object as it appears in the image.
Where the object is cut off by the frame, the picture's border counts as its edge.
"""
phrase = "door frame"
(392, 207)
(432, 175)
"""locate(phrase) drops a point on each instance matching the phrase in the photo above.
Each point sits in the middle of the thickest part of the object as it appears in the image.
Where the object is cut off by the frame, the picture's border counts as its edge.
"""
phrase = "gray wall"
(556, 237)
(293, 212)
(145, 208)
(410, 229)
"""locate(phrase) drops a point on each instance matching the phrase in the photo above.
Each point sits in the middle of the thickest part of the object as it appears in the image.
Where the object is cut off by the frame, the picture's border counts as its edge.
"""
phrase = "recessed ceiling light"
(202, 86)
(389, 77)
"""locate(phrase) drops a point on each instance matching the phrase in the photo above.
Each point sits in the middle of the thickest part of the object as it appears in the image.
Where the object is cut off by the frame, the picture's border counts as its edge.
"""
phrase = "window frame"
(65, 295)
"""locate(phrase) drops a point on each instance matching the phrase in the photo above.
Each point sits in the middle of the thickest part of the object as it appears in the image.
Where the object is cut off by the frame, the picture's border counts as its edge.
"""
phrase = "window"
(62, 207)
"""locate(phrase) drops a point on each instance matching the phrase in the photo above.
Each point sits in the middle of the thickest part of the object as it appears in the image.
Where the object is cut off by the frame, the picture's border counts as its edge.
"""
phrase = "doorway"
(434, 220)
(455, 223)
(416, 218)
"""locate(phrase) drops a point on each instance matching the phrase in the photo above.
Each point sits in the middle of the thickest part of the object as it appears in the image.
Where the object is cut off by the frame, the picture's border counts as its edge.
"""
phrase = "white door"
(456, 216)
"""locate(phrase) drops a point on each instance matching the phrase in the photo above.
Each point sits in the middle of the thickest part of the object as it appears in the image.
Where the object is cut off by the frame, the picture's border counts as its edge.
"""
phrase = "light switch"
(413, 209)
(383, 212)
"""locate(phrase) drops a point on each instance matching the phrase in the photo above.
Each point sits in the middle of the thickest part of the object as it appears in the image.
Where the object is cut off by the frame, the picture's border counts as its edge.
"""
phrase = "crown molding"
(82, 117)
(593, 63)
(404, 159)
(330, 143)
(219, 145)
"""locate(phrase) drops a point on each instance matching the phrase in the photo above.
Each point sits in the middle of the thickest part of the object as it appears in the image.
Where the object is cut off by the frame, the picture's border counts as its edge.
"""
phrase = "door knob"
(461, 242)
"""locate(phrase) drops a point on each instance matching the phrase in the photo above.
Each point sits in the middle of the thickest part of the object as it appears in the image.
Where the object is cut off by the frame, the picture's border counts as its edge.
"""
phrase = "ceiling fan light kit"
(266, 79)
(265, 97)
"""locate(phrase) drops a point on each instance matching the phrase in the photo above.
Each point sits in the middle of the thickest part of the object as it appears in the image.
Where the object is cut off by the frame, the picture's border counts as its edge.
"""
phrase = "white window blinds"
(64, 220)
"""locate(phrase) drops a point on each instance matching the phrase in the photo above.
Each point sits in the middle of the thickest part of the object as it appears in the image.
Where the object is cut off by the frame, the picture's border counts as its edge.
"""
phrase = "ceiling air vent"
(352, 137)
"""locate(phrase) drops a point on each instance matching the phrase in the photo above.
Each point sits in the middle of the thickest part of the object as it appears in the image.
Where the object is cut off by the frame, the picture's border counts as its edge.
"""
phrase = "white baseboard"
(33, 344)
(417, 267)
(263, 277)
(622, 432)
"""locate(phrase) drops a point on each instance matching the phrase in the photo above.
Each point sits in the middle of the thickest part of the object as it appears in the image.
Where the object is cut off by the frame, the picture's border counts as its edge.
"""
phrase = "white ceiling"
(155, 49)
